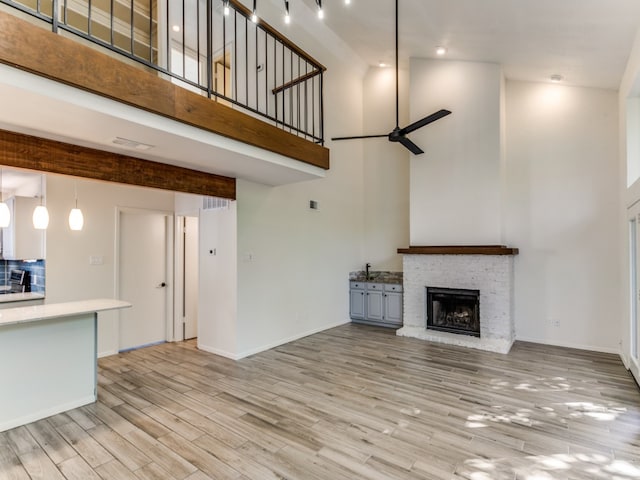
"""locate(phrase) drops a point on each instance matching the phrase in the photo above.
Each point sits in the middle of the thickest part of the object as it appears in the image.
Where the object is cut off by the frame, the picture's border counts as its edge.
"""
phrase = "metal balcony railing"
(195, 44)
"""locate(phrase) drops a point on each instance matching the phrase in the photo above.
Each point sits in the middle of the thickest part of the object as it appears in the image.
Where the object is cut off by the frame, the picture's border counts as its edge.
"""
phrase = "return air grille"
(214, 203)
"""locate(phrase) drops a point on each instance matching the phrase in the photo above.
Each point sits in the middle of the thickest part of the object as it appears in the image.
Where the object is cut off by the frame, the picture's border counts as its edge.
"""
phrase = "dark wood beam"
(31, 48)
(459, 250)
(35, 153)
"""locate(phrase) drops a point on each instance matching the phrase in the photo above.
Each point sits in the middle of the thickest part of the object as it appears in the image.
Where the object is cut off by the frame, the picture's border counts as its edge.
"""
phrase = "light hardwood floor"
(354, 402)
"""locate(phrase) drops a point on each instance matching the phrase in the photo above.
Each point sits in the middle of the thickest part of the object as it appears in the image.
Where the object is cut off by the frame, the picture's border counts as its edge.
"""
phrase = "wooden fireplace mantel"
(459, 250)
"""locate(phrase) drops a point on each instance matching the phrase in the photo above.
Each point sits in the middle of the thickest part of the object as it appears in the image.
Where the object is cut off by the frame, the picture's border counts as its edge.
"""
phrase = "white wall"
(385, 171)
(456, 184)
(218, 284)
(562, 208)
(293, 263)
(69, 275)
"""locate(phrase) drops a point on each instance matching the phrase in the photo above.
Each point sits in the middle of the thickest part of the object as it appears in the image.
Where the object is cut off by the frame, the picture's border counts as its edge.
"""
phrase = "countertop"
(377, 277)
(12, 316)
(20, 297)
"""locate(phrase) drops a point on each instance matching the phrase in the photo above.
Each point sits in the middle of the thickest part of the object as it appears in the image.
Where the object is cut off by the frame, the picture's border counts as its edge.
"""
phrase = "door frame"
(169, 264)
(178, 282)
(633, 309)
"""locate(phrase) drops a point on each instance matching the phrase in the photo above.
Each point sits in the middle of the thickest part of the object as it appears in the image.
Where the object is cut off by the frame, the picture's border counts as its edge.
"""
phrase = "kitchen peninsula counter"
(48, 359)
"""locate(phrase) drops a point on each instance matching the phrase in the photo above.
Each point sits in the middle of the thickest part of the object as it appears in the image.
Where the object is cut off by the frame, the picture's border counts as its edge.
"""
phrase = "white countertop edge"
(12, 316)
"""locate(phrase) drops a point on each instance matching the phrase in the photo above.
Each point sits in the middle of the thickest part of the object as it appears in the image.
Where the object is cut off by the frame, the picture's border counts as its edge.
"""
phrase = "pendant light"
(41, 214)
(76, 219)
(5, 214)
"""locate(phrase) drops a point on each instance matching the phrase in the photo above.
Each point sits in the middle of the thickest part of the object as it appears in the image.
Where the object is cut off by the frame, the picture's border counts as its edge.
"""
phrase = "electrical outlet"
(96, 260)
(555, 322)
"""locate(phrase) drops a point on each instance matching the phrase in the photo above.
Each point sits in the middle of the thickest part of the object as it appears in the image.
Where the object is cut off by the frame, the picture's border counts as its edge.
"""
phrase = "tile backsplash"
(35, 267)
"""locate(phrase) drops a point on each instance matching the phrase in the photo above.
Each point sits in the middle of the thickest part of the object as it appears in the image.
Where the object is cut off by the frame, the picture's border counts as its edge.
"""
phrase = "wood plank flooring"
(354, 402)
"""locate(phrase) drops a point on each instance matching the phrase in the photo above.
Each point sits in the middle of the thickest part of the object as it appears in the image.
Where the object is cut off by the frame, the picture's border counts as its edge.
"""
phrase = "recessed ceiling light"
(556, 78)
(176, 28)
(440, 50)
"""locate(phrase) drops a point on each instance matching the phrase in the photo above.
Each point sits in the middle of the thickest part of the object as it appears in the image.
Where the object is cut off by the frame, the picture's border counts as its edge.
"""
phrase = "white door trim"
(169, 263)
(633, 213)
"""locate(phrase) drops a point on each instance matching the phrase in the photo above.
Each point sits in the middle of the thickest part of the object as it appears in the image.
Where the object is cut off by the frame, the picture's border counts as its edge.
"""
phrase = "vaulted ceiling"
(586, 41)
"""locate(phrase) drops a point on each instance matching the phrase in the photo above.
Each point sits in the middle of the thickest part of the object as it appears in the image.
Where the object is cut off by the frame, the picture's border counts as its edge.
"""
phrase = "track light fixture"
(287, 17)
(254, 15)
(320, 11)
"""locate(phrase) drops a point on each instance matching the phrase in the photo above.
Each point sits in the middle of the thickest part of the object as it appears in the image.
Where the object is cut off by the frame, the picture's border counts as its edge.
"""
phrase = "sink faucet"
(367, 267)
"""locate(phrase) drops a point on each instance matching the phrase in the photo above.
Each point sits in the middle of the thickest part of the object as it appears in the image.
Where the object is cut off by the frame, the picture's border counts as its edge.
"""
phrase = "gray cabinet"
(376, 303)
(357, 300)
(393, 304)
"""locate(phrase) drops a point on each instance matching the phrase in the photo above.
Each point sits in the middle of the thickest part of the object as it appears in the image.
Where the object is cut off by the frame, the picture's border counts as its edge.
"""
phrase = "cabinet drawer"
(375, 286)
(357, 285)
(393, 288)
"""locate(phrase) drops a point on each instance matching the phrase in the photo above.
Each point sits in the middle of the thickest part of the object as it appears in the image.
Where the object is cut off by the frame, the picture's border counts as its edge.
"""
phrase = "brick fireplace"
(486, 269)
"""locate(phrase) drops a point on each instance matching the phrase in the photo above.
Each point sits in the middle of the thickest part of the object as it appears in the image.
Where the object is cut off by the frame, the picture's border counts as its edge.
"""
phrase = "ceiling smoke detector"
(131, 144)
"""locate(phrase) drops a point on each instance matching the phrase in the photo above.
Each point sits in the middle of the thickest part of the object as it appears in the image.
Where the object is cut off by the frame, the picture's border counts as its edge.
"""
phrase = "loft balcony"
(184, 60)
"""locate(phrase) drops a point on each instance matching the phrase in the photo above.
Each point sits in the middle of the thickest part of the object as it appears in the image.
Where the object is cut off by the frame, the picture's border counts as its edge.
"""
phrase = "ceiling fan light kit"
(398, 134)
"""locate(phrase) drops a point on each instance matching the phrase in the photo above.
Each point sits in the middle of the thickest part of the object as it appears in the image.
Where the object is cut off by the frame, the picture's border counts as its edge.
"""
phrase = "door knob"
(162, 285)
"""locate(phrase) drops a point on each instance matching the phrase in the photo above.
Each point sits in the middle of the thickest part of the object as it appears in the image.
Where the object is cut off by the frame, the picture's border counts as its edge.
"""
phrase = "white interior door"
(142, 272)
(190, 278)
(634, 293)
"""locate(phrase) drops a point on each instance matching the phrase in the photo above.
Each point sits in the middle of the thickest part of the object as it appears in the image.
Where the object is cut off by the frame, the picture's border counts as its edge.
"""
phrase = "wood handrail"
(296, 81)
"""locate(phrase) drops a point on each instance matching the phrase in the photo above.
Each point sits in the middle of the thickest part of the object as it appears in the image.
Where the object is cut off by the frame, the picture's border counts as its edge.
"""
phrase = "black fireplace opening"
(453, 310)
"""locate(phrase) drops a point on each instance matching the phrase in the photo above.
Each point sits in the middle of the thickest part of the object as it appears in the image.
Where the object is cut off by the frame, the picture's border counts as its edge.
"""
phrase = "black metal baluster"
(321, 119)
(184, 50)
(198, 41)
(235, 55)
(89, 18)
(209, 48)
(246, 60)
(290, 90)
(151, 31)
(257, 81)
(131, 25)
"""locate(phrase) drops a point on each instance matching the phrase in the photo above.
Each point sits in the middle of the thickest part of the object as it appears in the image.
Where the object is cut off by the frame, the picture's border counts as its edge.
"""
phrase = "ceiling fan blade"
(360, 136)
(425, 121)
(416, 150)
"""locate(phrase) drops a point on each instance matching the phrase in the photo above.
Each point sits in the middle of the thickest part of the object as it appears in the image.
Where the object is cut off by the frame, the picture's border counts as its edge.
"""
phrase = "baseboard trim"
(269, 346)
(578, 346)
(46, 412)
(293, 338)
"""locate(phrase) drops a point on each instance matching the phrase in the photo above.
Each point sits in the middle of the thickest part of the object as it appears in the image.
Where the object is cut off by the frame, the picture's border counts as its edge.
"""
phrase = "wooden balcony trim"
(459, 250)
(35, 153)
(33, 49)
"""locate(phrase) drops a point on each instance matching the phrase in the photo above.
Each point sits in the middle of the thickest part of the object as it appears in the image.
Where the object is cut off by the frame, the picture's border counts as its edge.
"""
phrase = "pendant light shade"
(41, 214)
(5, 215)
(76, 219)
(41, 218)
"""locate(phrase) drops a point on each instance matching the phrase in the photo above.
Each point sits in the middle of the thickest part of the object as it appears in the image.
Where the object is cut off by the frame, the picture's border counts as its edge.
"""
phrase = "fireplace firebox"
(453, 310)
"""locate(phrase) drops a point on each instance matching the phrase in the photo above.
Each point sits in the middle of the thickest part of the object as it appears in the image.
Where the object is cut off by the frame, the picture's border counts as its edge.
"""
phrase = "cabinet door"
(356, 304)
(375, 305)
(393, 308)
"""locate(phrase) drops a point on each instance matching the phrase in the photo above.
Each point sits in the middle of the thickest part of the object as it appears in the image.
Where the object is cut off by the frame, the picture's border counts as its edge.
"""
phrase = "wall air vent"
(215, 203)
(131, 144)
